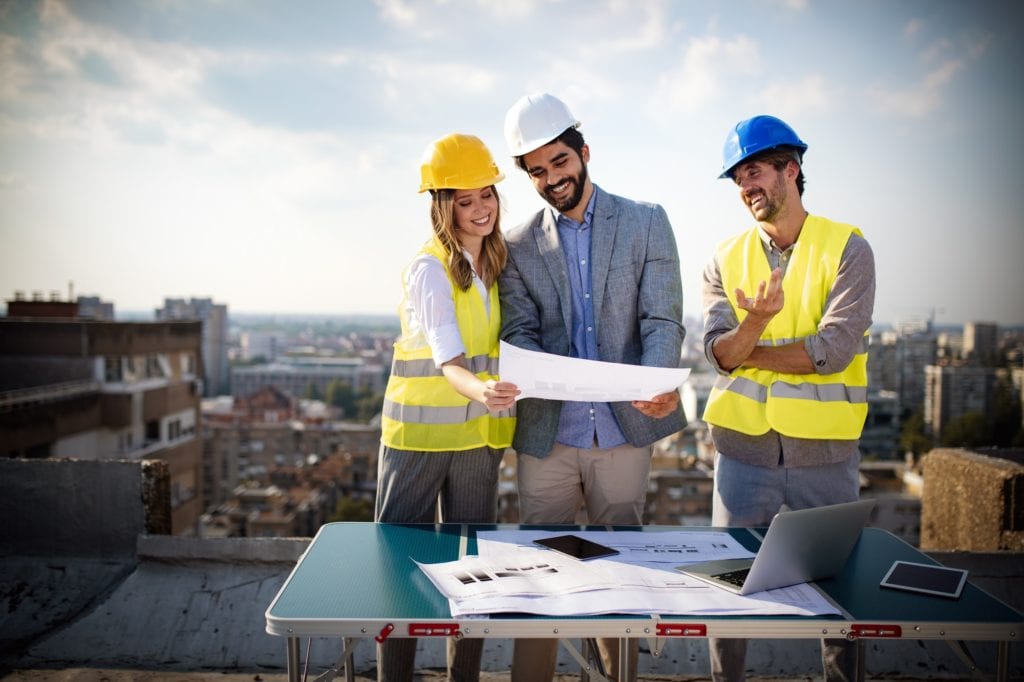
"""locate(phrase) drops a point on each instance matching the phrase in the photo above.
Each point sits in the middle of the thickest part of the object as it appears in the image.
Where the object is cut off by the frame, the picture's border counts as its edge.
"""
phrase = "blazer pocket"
(626, 275)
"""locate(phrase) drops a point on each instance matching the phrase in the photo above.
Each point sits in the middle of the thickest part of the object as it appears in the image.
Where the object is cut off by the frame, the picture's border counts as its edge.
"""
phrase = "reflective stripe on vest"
(422, 414)
(422, 411)
(755, 401)
(427, 368)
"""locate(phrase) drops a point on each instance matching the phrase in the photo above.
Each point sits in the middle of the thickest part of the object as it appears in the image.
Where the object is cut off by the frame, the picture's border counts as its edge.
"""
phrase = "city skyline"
(266, 155)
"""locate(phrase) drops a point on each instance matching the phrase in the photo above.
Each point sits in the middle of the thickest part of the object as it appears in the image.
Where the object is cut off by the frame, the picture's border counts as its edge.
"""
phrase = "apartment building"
(99, 390)
(254, 437)
(214, 319)
(955, 390)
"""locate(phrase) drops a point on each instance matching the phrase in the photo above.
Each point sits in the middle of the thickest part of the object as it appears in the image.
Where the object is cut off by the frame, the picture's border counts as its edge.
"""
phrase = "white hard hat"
(535, 120)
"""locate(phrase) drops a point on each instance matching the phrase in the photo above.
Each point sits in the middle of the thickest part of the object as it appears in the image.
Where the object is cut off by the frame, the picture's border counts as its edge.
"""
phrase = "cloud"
(511, 10)
(912, 28)
(11, 181)
(399, 12)
(790, 5)
(629, 27)
(706, 63)
(945, 58)
(402, 76)
(919, 99)
(812, 94)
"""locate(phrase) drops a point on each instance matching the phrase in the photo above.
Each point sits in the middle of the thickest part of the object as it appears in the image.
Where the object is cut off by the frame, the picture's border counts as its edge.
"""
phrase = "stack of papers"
(512, 575)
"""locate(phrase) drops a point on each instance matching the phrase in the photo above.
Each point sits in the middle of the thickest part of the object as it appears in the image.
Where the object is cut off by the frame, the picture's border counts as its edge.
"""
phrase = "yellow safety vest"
(752, 401)
(421, 409)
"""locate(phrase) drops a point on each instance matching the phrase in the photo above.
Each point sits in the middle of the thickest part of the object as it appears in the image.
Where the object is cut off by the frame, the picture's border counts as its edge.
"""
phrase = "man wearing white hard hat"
(593, 276)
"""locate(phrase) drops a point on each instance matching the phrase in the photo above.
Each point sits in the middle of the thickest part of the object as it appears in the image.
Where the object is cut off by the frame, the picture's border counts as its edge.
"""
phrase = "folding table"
(359, 580)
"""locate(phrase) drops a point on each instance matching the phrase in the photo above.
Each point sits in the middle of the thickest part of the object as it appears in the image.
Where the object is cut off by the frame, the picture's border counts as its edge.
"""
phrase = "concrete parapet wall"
(972, 502)
(81, 508)
(175, 549)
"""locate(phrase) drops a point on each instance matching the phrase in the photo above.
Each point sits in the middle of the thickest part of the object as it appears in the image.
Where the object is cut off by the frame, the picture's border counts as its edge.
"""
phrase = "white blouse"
(430, 306)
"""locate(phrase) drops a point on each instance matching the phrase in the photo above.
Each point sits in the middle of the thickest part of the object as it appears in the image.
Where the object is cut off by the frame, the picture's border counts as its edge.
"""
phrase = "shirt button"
(590, 329)
(583, 261)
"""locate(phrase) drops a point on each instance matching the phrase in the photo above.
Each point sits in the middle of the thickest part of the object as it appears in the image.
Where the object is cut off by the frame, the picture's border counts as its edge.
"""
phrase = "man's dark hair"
(778, 157)
(572, 138)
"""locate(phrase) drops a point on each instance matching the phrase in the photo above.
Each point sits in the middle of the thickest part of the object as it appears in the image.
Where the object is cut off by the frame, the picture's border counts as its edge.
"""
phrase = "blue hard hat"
(756, 135)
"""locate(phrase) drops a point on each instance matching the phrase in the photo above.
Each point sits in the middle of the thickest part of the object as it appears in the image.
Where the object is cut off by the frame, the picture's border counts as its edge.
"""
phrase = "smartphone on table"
(576, 547)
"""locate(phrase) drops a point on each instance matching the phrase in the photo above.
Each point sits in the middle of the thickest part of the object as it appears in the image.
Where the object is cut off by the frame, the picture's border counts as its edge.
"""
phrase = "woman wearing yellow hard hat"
(447, 419)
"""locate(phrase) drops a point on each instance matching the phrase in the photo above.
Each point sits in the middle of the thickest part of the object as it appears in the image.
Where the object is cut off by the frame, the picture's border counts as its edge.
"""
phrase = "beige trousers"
(611, 484)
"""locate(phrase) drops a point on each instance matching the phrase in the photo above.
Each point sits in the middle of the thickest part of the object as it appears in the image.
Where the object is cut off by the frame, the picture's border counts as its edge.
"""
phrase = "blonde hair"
(493, 254)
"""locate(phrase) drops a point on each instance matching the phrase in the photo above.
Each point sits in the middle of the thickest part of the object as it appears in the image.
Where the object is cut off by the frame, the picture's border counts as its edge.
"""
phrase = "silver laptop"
(800, 546)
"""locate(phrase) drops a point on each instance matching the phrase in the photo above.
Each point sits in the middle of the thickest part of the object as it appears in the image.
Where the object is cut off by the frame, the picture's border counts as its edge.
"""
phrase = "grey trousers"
(414, 487)
(749, 495)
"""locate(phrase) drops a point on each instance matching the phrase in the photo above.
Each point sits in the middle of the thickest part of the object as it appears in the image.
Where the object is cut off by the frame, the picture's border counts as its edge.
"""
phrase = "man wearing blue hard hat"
(787, 308)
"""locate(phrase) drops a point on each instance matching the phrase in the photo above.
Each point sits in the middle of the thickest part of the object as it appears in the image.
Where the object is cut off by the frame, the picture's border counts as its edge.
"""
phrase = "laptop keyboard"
(736, 578)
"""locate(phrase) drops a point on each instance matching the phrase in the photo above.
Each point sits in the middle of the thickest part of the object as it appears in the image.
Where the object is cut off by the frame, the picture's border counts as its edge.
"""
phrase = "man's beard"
(573, 200)
(774, 198)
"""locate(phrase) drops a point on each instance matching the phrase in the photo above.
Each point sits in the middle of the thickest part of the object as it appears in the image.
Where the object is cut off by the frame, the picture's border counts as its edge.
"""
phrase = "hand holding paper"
(555, 377)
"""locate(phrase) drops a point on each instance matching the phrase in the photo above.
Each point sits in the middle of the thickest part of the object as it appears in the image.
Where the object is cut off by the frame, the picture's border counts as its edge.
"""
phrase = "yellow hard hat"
(458, 161)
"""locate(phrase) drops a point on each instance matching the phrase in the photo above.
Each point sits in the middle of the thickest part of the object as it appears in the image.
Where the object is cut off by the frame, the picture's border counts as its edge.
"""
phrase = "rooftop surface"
(187, 609)
(90, 596)
(108, 675)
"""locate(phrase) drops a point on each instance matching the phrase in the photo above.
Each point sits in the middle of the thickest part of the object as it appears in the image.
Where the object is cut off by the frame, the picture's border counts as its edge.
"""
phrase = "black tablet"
(925, 578)
(577, 547)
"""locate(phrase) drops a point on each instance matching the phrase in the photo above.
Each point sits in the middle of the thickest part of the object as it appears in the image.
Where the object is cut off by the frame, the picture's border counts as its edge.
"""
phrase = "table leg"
(624, 651)
(348, 646)
(1002, 660)
(294, 674)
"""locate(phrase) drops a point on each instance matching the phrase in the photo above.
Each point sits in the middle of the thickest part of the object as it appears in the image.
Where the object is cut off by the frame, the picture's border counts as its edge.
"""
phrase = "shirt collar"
(769, 243)
(588, 214)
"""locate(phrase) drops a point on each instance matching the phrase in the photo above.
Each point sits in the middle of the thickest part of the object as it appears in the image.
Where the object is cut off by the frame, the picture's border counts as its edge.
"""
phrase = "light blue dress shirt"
(581, 424)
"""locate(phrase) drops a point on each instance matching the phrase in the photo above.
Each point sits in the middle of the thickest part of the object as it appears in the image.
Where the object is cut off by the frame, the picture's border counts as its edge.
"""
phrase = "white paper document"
(556, 377)
(511, 574)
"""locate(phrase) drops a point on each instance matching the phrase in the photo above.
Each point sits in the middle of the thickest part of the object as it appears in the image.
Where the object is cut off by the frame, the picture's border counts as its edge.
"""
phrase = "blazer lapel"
(603, 229)
(546, 234)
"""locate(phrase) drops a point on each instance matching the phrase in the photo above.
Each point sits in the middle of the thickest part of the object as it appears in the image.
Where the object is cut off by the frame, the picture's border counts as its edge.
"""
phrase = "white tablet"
(941, 581)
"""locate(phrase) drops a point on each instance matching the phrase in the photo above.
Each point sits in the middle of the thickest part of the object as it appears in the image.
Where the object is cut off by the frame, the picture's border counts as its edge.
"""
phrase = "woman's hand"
(499, 395)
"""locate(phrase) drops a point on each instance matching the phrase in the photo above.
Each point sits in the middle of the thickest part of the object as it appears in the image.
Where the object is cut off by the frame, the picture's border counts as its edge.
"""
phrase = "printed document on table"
(692, 599)
(556, 377)
(530, 573)
(673, 547)
(511, 574)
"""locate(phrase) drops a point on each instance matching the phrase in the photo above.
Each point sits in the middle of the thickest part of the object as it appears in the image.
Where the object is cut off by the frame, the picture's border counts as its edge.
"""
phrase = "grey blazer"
(638, 307)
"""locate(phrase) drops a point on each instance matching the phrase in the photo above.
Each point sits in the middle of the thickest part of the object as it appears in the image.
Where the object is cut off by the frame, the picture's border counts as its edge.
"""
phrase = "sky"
(266, 154)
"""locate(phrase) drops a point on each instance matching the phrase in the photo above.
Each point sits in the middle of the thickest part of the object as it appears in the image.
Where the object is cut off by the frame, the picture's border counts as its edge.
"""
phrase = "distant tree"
(969, 430)
(368, 404)
(312, 392)
(912, 436)
(349, 509)
(248, 362)
(341, 395)
(1006, 410)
